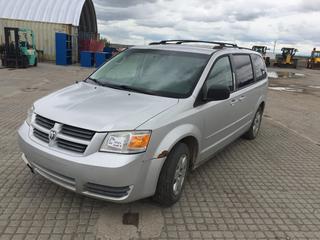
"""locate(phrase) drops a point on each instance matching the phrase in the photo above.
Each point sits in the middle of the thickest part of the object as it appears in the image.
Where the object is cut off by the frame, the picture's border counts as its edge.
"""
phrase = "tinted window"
(259, 67)
(243, 70)
(221, 74)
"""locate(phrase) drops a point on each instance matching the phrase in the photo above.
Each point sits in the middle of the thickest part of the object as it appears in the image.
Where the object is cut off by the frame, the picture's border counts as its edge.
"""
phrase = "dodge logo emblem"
(52, 135)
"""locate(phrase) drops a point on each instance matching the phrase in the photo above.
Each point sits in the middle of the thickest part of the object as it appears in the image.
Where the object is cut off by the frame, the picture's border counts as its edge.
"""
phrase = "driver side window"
(220, 74)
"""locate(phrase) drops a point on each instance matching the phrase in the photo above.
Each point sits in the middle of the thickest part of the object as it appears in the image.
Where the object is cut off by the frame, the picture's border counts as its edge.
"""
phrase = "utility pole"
(274, 46)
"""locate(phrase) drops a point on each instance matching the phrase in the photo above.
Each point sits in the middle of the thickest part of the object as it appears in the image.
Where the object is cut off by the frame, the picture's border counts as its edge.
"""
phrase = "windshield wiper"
(95, 81)
(132, 89)
(121, 87)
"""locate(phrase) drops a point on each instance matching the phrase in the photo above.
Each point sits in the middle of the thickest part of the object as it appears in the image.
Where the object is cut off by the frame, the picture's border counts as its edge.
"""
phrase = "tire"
(268, 62)
(25, 62)
(253, 131)
(173, 175)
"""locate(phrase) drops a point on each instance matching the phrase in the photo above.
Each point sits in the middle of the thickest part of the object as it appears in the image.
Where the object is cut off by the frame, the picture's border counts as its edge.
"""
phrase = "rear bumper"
(107, 176)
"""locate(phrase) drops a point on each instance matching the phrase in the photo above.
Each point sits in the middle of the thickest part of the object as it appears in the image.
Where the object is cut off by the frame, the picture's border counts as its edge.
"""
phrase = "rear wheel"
(173, 174)
(253, 131)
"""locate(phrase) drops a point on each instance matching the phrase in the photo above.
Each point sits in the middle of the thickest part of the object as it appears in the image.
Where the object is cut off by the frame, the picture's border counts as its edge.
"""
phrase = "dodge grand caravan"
(142, 121)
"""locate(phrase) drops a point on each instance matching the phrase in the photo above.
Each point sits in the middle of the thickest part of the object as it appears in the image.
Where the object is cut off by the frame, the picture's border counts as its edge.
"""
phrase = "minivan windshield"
(157, 72)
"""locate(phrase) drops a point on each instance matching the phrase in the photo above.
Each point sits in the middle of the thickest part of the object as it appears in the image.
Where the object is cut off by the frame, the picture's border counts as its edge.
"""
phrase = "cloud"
(249, 16)
(245, 22)
(310, 6)
(111, 13)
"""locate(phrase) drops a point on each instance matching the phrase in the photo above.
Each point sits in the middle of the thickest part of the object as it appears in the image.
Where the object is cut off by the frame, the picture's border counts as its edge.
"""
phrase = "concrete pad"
(110, 223)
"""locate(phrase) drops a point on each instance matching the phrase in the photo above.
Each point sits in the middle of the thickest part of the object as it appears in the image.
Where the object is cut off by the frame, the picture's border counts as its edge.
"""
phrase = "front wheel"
(173, 174)
(253, 131)
(268, 62)
(25, 62)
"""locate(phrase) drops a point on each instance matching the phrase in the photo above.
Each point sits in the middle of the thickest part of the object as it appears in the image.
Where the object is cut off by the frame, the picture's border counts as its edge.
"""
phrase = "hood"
(101, 108)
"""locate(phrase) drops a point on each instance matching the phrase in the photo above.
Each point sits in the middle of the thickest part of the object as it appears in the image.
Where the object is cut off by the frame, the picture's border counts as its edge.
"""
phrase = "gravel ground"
(262, 189)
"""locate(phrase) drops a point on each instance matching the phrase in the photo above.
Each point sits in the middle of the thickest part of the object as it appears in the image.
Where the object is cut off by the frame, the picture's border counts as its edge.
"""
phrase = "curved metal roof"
(53, 11)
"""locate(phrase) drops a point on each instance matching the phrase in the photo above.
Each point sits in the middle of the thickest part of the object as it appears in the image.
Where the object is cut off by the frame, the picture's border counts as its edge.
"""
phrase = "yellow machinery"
(286, 59)
(314, 60)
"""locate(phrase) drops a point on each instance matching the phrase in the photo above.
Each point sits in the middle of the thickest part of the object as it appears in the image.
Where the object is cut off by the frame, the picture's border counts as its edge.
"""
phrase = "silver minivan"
(143, 120)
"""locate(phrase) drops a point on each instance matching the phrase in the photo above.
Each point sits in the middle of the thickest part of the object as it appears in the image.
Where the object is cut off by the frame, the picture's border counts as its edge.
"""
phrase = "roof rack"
(245, 48)
(220, 44)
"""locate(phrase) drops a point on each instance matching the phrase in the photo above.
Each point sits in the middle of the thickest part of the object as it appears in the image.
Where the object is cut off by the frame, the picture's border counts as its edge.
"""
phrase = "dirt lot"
(262, 189)
(294, 101)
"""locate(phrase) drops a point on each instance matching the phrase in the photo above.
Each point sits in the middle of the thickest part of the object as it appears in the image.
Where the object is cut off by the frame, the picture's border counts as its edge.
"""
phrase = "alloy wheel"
(180, 174)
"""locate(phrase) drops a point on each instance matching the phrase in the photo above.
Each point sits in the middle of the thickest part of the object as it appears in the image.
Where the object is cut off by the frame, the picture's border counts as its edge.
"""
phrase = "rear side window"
(259, 67)
(243, 69)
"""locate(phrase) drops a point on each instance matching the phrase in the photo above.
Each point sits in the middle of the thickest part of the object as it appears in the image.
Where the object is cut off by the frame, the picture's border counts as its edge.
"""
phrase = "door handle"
(242, 98)
(233, 101)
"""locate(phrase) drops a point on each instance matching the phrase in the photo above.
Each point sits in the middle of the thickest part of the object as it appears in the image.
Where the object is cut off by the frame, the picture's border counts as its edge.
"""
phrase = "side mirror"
(217, 93)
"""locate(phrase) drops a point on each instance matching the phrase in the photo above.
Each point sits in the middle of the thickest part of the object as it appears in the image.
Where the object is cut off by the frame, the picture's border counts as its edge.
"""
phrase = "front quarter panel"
(172, 126)
(167, 130)
(175, 135)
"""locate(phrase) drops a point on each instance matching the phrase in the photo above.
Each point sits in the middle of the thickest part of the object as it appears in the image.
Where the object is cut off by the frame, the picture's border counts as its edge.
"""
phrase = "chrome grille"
(41, 135)
(77, 132)
(44, 122)
(66, 137)
(71, 146)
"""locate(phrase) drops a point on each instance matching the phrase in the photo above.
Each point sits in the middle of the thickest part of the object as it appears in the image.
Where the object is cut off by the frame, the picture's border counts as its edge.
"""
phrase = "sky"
(291, 23)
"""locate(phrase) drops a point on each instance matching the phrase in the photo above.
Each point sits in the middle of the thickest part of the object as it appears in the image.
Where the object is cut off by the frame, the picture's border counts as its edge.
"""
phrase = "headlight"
(29, 115)
(126, 142)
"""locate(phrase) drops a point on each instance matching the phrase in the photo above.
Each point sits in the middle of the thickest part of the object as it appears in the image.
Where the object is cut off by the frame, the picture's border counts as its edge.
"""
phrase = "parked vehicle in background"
(314, 60)
(286, 59)
(19, 49)
(263, 51)
(143, 120)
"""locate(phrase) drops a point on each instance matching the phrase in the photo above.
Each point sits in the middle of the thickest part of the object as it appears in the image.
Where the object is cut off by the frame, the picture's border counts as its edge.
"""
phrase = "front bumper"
(107, 176)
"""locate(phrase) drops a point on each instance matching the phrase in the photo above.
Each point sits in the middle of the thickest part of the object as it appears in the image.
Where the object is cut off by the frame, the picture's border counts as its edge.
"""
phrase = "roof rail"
(220, 44)
(245, 48)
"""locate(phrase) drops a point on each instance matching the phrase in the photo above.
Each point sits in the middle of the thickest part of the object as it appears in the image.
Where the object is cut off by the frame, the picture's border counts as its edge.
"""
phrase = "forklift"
(286, 58)
(19, 50)
(263, 51)
(314, 60)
